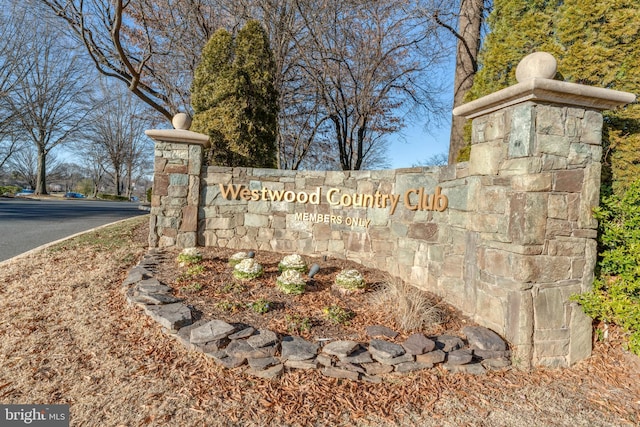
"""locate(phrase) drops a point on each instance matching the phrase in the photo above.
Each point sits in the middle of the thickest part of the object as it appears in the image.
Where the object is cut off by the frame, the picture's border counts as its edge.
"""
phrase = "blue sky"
(418, 145)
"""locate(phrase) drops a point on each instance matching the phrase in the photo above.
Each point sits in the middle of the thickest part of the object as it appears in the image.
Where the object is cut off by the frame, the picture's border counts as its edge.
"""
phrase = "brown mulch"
(68, 336)
(216, 293)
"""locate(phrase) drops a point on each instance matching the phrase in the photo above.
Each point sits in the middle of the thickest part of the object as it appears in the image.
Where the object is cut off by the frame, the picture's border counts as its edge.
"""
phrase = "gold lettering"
(330, 196)
(314, 198)
(245, 193)
(441, 201)
(407, 199)
(231, 190)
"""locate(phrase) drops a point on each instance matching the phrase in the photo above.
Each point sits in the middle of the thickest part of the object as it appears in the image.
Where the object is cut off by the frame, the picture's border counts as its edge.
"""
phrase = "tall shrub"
(235, 100)
(615, 297)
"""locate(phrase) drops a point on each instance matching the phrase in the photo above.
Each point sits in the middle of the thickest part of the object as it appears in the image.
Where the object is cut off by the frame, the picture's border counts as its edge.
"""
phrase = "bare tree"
(152, 46)
(368, 63)
(13, 39)
(48, 103)
(94, 162)
(116, 136)
(24, 165)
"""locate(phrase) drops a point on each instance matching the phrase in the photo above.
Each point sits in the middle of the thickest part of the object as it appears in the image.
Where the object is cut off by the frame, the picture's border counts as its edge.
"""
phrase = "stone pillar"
(541, 140)
(175, 197)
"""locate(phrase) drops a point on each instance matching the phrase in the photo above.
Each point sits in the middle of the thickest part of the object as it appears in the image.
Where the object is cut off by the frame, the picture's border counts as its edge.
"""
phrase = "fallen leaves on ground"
(68, 336)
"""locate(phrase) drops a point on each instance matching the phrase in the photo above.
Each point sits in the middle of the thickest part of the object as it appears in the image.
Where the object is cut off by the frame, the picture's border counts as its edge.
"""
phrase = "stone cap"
(181, 134)
(534, 75)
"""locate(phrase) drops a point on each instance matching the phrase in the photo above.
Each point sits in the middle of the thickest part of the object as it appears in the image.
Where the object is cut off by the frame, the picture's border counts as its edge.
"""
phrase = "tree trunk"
(469, 24)
(41, 177)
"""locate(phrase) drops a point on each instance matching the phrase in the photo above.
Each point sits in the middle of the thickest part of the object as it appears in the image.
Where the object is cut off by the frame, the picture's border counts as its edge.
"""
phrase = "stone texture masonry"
(516, 239)
(263, 353)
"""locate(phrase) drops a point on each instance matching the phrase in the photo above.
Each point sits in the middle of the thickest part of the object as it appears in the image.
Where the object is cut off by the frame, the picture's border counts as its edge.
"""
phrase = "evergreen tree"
(517, 28)
(596, 42)
(234, 98)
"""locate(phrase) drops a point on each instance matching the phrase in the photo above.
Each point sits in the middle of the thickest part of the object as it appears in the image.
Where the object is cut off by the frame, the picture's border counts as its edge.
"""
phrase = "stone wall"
(506, 237)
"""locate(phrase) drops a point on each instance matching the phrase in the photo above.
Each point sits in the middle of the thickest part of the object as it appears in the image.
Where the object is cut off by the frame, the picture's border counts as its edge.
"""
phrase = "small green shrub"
(233, 288)
(260, 306)
(149, 193)
(188, 257)
(293, 262)
(350, 280)
(236, 258)
(298, 324)
(291, 282)
(247, 269)
(615, 297)
(192, 287)
(338, 315)
(195, 270)
(114, 197)
(229, 306)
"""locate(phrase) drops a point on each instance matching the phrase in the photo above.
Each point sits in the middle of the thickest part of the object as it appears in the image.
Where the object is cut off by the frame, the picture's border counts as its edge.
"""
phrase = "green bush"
(105, 196)
(149, 192)
(12, 189)
(615, 297)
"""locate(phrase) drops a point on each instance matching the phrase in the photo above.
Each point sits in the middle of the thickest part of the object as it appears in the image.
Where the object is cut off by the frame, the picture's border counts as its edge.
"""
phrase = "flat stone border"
(265, 354)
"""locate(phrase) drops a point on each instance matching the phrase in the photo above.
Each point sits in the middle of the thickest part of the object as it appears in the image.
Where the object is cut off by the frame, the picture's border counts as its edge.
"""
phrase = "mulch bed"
(216, 294)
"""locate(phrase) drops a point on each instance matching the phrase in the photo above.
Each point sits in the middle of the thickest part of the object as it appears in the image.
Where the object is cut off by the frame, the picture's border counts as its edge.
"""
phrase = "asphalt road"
(26, 224)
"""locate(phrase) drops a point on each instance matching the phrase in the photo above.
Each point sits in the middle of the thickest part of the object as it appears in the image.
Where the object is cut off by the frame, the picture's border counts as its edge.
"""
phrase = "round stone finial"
(181, 121)
(539, 64)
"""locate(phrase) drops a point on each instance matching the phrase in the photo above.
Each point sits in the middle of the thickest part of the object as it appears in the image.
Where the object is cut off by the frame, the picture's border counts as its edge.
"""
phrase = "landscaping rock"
(433, 357)
(394, 360)
(369, 379)
(296, 348)
(483, 338)
(263, 338)
(324, 360)
(377, 368)
(152, 285)
(302, 364)
(263, 363)
(243, 333)
(360, 355)
(171, 316)
(418, 344)
(471, 368)
(241, 348)
(448, 343)
(226, 361)
(459, 357)
(211, 331)
(491, 354)
(211, 346)
(340, 349)
(271, 373)
(136, 274)
(340, 373)
(380, 331)
(385, 350)
(496, 364)
(233, 345)
(350, 367)
(153, 299)
(407, 367)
